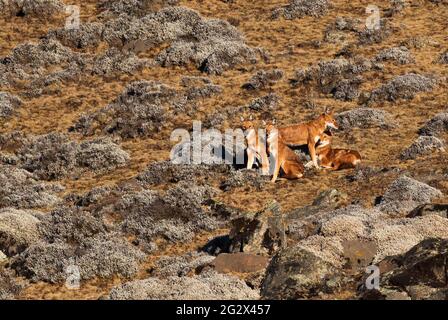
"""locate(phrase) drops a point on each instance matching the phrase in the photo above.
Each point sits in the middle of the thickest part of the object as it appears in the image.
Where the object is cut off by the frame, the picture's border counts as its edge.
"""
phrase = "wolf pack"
(275, 150)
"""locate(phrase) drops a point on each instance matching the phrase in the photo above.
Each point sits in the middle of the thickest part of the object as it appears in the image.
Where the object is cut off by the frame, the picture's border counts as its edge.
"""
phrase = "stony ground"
(87, 191)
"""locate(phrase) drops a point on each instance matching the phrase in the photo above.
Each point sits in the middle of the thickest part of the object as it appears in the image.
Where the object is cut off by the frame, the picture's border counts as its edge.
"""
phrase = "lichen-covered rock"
(18, 230)
(21, 189)
(436, 126)
(400, 55)
(402, 87)
(363, 118)
(301, 8)
(263, 79)
(404, 194)
(439, 209)
(262, 232)
(422, 146)
(207, 286)
(296, 273)
(8, 104)
(341, 234)
(418, 274)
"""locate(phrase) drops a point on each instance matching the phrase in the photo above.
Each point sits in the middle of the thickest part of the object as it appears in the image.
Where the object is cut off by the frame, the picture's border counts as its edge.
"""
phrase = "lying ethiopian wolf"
(336, 159)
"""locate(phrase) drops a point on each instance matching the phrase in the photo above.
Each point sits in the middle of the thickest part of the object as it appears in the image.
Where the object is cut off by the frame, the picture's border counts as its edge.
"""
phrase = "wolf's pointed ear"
(250, 118)
(273, 121)
(242, 119)
(263, 122)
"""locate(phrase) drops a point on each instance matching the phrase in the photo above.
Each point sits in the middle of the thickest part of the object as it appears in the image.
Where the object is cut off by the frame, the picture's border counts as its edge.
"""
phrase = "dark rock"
(239, 263)
(420, 273)
(443, 58)
(296, 273)
(426, 209)
(259, 233)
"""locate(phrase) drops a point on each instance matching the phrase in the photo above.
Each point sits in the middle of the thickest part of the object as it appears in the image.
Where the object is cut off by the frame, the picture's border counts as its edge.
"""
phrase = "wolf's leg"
(264, 162)
(312, 150)
(276, 170)
(250, 158)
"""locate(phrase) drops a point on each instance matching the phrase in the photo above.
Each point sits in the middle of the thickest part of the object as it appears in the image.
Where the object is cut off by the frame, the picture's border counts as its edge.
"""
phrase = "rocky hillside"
(92, 207)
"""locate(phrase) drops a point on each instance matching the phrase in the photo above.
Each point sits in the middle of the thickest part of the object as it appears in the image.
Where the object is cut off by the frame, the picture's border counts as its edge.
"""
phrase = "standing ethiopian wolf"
(284, 157)
(308, 133)
(256, 146)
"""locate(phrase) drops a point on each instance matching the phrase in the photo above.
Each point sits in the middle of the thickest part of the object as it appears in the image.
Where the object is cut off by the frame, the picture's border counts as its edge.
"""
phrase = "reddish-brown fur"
(308, 133)
(336, 159)
(256, 148)
(285, 158)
